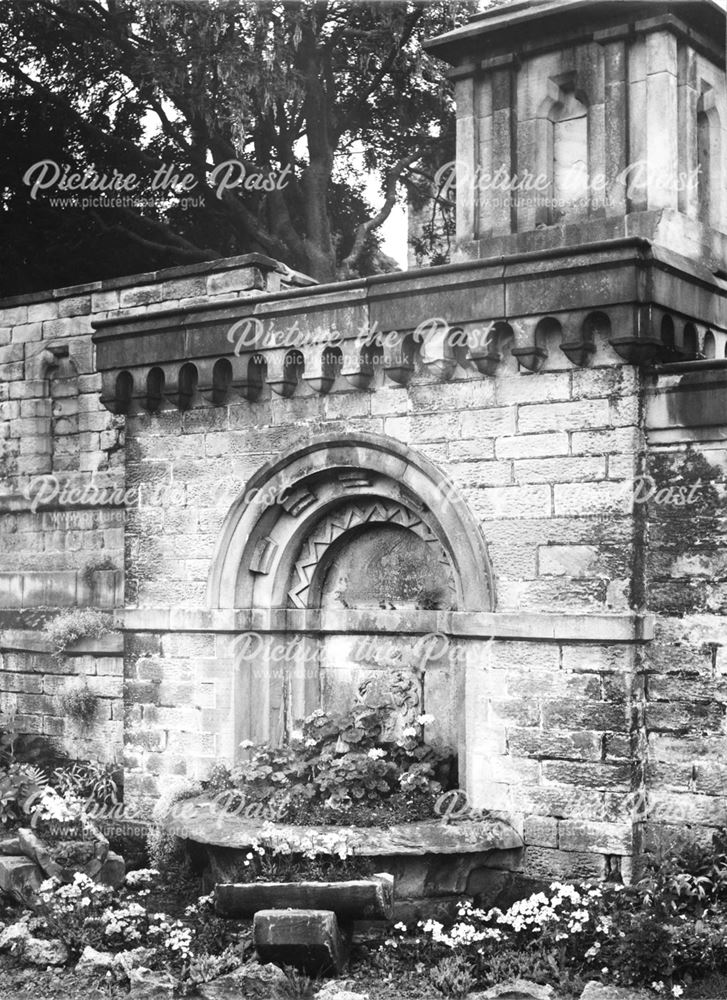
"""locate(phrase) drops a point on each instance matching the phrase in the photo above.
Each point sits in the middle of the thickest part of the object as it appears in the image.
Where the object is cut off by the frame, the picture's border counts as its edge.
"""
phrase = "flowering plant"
(84, 913)
(342, 769)
(665, 930)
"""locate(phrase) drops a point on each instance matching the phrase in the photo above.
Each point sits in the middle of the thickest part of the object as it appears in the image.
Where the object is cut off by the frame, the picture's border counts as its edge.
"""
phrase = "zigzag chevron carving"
(378, 512)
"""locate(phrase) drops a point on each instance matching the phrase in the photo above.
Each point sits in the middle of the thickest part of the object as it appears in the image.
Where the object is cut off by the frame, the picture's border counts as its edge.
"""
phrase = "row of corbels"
(486, 347)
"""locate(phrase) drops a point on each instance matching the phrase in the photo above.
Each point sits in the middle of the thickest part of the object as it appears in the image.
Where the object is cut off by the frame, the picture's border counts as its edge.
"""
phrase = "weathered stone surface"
(92, 960)
(307, 939)
(516, 989)
(147, 985)
(203, 820)
(34, 848)
(39, 951)
(10, 845)
(362, 899)
(337, 991)
(252, 980)
(594, 990)
(14, 936)
(113, 870)
(20, 877)
(133, 958)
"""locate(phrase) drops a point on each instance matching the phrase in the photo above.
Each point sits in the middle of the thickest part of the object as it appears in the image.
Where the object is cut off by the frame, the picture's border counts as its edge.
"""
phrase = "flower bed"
(665, 932)
(344, 791)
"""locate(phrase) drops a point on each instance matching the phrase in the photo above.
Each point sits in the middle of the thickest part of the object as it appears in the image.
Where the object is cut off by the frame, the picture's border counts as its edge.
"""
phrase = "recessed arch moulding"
(350, 555)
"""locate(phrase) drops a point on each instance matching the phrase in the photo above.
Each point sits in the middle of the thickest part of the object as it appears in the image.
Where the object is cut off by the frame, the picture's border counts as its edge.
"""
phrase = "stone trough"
(436, 865)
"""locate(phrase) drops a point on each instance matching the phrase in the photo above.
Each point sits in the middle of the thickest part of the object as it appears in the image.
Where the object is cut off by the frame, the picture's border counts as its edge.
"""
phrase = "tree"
(305, 97)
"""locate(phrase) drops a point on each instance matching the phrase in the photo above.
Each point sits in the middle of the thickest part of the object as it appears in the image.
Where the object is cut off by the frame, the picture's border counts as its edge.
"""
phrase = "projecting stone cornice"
(603, 302)
(556, 627)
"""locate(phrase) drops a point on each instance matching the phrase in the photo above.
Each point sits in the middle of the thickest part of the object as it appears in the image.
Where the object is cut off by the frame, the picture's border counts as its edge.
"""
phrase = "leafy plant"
(341, 769)
(164, 847)
(88, 781)
(297, 985)
(265, 865)
(19, 788)
(452, 976)
(78, 702)
(77, 624)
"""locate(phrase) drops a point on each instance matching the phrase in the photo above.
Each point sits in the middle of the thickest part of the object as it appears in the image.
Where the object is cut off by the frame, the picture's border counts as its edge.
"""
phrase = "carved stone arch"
(315, 557)
(257, 559)
(302, 524)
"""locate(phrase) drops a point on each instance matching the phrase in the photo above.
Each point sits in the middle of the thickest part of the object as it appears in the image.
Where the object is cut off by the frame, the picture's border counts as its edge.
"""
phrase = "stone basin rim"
(203, 821)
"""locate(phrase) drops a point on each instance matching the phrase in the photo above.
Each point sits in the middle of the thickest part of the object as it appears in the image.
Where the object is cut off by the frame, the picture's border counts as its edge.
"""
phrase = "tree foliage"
(318, 95)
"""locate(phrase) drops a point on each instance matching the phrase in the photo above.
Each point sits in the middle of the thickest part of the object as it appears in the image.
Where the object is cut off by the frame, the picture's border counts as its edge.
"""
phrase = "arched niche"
(267, 526)
(349, 556)
(563, 151)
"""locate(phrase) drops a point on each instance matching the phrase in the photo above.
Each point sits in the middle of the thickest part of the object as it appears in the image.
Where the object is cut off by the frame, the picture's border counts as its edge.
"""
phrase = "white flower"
(246, 744)
(375, 753)
(310, 742)
(297, 734)
(401, 926)
(425, 720)
(410, 731)
(677, 991)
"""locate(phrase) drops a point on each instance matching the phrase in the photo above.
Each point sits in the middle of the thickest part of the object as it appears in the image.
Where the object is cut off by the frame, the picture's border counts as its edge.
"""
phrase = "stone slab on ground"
(306, 939)
(594, 990)
(338, 991)
(14, 936)
(252, 981)
(516, 989)
(354, 899)
(147, 985)
(43, 952)
(36, 951)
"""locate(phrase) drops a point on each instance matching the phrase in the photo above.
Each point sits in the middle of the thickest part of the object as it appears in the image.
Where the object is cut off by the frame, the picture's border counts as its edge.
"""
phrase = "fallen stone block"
(337, 991)
(594, 990)
(39, 951)
(20, 878)
(252, 981)
(14, 936)
(516, 989)
(310, 940)
(94, 961)
(10, 845)
(357, 899)
(133, 958)
(147, 985)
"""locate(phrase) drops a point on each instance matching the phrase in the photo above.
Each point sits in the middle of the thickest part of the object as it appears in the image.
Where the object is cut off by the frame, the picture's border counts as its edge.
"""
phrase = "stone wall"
(545, 464)
(684, 669)
(63, 490)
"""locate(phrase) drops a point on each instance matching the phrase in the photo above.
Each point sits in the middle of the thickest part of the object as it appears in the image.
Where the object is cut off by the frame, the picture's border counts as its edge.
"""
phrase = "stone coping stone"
(205, 821)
